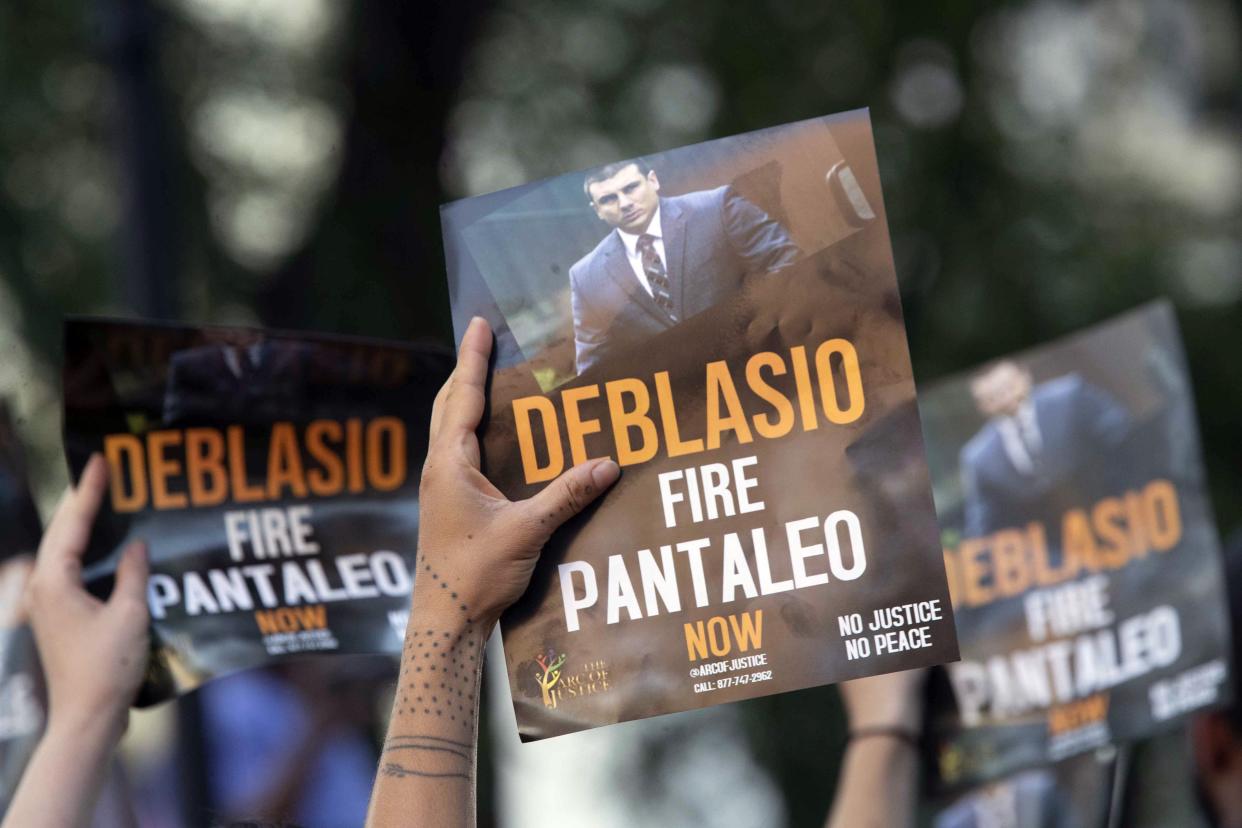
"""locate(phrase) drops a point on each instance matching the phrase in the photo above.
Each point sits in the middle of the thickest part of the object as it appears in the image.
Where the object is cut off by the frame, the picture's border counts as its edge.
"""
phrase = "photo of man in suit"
(1046, 448)
(221, 382)
(666, 258)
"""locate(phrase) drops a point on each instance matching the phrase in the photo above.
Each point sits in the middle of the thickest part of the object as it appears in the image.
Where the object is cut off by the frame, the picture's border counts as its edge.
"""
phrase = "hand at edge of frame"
(93, 652)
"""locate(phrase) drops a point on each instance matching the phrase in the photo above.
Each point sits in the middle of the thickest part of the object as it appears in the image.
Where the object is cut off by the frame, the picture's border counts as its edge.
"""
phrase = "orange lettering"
(163, 468)
(204, 461)
(329, 479)
(284, 463)
(668, 417)
(124, 453)
(576, 428)
(243, 492)
(828, 385)
(522, 409)
(784, 409)
(636, 418)
(720, 389)
(386, 476)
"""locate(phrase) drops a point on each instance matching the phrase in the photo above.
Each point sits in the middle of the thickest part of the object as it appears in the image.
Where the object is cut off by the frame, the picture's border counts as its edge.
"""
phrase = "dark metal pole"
(149, 279)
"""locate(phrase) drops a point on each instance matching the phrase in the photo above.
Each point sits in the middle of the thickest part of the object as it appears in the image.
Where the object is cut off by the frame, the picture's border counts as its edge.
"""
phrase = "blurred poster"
(1075, 793)
(1080, 546)
(273, 476)
(723, 320)
(23, 694)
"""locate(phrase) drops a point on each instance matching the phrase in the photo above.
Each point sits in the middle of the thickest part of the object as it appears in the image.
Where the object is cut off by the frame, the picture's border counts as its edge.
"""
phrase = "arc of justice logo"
(549, 673)
(556, 684)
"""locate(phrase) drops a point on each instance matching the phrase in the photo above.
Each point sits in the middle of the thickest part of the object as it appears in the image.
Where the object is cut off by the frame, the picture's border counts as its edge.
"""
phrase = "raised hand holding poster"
(273, 477)
(724, 321)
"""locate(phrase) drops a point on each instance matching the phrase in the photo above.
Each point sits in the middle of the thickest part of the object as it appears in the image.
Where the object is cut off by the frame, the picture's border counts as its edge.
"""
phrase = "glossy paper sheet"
(1080, 546)
(1075, 793)
(273, 476)
(746, 364)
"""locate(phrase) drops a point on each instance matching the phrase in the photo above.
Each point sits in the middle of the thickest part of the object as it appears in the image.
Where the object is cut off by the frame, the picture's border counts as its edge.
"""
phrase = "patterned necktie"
(1028, 430)
(656, 275)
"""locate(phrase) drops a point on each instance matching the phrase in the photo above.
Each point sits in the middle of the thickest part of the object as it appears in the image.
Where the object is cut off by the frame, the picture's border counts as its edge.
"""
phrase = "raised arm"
(878, 785)
(476, 553)
(93, 655)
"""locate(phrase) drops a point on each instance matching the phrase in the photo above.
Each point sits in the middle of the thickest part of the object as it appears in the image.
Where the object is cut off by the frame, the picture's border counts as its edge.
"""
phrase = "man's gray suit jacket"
(713, 239)
(1080, 427)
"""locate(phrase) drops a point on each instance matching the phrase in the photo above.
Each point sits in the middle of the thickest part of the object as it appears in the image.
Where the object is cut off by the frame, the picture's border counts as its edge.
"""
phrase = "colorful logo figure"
(951, 762)
(550, 673)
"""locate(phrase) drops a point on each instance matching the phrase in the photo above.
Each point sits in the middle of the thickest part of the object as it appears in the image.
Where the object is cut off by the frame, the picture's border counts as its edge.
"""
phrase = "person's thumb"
(130, 587)
(569, 494)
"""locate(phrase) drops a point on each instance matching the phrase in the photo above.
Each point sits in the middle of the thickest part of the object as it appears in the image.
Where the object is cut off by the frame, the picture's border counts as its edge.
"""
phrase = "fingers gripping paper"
(724, 321)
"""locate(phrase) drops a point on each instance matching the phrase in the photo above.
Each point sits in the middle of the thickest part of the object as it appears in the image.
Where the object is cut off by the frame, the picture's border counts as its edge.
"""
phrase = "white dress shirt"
(1021, 437)
(233, 361)
(630, 240)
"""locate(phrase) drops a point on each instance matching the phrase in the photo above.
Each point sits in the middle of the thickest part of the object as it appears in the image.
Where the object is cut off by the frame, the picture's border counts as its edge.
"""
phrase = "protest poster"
(1081, 550)
(723, 320)
(273, 477)
(23, 692)
(1074, 793)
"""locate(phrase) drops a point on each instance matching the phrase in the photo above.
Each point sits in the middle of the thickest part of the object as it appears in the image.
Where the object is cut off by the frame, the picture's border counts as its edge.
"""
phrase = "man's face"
(1001, 390)
(627, 200)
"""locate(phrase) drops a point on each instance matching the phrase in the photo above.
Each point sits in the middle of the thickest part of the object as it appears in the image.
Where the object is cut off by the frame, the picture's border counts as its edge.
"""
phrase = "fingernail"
(605, 473)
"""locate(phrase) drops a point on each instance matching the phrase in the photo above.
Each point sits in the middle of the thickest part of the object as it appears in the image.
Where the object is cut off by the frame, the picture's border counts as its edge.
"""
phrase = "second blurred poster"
(1080, 546)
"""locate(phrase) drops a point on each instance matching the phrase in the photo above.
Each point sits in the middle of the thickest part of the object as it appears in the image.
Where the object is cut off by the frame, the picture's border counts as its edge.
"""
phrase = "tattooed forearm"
(441, 662)
(427, 756)
(436, 703)
(428, 743)
(400, 771)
